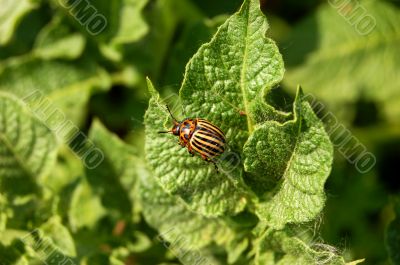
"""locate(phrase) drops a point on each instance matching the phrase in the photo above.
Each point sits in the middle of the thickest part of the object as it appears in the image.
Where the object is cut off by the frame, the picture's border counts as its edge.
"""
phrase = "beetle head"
(176, 129)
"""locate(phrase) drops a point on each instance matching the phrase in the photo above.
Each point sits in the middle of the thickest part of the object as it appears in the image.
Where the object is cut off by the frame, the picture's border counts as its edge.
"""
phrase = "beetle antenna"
(164, 131)
(170, 113)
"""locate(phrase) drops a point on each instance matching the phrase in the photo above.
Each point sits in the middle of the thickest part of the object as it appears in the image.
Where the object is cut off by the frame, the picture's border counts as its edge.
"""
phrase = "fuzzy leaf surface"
(223, 78)
(282, 247)
(226, 75)
(197, 183)
(175, 222)
(300, 154)
(27, 147)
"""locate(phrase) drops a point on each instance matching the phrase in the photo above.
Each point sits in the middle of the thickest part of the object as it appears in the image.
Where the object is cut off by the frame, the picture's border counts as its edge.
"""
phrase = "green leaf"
(236, 250)
(355, 262)
(85, 207)
(27, 147)
(110, 23)
(204, 189)
(232, 72)
(175, 222)
(9, 236)
(51, 243)
(338, 64)
(53, 86)
(132, 26)
(281, 248)
(13, 253)
(67, 169)
(141, 242)
(122, 254)
(115, 22)
(4, 213)
(165, 19)
(114, 179)
(126, 29)
(11, 14)
(300, 154)
(193, 35)
(56, 40)
(224, 78)
(59, 235)
(392, 236)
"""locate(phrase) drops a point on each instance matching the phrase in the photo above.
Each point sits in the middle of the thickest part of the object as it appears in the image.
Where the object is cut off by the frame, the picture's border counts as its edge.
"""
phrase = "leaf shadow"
(300, 42)
(105, 182)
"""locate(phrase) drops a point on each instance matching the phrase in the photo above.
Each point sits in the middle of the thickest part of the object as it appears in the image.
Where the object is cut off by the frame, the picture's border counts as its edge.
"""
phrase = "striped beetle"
(199, 136)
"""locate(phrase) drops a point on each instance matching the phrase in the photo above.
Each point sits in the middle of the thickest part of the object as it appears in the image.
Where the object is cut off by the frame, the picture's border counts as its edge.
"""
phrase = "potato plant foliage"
(148, 201)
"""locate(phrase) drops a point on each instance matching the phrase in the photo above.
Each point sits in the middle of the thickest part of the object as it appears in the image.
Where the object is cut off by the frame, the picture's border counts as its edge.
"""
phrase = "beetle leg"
(205, 158)
(190, 150)
(215, 165)
(181, 143)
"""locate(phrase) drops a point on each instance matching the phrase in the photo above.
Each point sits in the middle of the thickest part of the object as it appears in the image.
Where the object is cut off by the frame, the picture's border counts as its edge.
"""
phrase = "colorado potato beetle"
(199, 136)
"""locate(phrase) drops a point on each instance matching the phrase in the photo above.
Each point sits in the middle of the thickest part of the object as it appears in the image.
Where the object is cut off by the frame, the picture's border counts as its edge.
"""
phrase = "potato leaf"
(282, 247)
(300, 154)
(226, 75)
(392, 237)
(57, 40)
(351, 52)
(197, 183)
(11, 14)
(223, 79)
(175, 222)
(27, 147)
(114, 178)
(51, 85)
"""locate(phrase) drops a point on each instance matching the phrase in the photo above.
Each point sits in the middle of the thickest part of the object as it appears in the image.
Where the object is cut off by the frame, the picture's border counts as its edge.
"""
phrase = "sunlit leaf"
(57, 40)
(300, 154)
(11, 13)
(175, 222)
(53, 86)
(203, 188)
(115, 177)
(27, 147)
(223, 79)
(282, 248)
(350, 53)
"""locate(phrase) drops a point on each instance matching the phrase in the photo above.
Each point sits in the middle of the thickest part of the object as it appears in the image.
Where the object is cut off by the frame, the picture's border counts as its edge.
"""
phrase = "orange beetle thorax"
(184, 129)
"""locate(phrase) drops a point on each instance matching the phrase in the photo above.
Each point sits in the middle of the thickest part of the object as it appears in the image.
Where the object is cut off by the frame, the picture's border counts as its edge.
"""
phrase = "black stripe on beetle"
(212, 142)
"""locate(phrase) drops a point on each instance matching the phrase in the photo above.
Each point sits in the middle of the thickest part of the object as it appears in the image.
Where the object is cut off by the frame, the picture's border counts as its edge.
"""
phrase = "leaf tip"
(359, 261)
(299, 90)
(298, 101)
(150, 87)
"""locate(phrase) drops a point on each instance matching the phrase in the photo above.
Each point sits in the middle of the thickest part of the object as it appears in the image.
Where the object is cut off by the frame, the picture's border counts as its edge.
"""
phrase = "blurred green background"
(356, 76)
